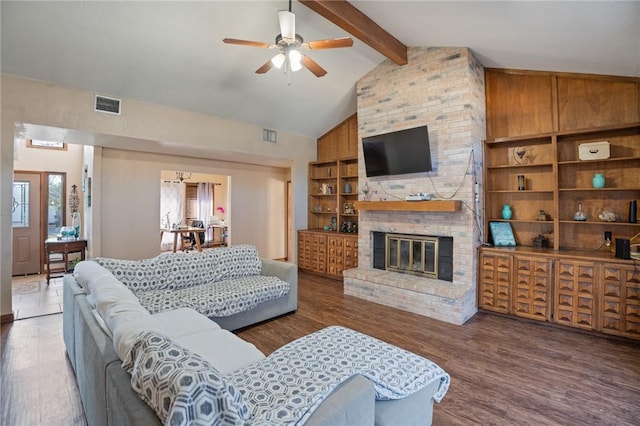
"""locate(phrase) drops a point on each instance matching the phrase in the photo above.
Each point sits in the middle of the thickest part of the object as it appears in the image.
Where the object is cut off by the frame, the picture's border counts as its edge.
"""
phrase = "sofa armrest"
(285, 271)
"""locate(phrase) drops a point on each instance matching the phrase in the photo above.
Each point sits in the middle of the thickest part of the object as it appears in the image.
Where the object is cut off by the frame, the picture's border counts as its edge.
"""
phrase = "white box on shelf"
(593, 151)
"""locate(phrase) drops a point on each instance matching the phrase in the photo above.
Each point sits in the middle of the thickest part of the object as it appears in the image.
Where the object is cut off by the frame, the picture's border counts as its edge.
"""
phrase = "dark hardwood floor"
(503, 371)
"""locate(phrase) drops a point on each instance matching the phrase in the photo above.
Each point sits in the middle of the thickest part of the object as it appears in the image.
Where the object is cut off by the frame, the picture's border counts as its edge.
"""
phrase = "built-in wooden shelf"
(411, 206)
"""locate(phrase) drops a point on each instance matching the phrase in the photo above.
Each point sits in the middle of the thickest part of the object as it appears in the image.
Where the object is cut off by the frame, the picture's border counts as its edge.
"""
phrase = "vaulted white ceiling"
(171, 53)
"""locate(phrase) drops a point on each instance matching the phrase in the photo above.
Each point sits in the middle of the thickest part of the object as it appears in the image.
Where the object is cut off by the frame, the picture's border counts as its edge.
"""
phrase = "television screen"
(397, 153)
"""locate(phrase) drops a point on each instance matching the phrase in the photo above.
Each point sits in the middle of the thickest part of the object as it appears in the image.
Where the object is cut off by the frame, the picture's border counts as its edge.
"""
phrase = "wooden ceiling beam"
(346, 16)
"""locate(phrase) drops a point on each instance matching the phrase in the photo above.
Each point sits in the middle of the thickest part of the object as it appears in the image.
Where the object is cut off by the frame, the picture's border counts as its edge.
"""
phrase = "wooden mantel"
(411, 206)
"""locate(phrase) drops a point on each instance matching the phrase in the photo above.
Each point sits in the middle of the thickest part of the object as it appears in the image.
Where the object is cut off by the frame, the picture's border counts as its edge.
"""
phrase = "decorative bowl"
(608, 216)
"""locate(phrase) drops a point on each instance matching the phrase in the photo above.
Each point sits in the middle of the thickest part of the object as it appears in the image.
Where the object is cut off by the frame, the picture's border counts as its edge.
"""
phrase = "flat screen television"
(397, 153)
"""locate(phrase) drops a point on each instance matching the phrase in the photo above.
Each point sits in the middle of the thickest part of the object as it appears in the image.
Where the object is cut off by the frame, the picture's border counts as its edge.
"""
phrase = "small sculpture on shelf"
(348, 208)
(520, 154)
(542, 216)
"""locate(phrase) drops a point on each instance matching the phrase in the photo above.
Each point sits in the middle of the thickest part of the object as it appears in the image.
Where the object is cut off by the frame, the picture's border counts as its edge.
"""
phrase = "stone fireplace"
(442, 88)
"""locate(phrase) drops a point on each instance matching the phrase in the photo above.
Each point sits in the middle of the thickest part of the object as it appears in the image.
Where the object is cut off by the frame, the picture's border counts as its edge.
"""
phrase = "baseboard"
(6, 318)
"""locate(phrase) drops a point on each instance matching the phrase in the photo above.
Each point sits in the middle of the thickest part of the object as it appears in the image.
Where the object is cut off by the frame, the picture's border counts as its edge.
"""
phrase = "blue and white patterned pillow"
(180, 386)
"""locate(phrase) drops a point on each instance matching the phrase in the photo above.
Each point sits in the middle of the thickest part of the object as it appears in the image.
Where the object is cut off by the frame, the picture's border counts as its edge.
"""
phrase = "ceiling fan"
(289, 46)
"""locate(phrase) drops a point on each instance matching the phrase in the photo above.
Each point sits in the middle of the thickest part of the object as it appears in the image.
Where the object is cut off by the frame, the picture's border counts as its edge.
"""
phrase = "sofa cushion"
(180, 386)
(183, 321)
(222, 349)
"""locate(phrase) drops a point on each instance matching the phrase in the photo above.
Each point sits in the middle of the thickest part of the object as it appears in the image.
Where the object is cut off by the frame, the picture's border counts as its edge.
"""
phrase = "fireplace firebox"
(422, 255)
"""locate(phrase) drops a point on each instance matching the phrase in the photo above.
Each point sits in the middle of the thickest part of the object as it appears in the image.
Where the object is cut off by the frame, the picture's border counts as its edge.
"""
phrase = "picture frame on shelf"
(502, 234)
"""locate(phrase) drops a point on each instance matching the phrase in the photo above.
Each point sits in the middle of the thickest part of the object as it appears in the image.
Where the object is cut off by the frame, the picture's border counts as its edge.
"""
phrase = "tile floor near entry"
(32, 297)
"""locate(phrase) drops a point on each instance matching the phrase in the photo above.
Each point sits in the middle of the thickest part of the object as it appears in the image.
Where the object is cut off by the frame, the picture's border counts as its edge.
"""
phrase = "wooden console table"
(63, 247)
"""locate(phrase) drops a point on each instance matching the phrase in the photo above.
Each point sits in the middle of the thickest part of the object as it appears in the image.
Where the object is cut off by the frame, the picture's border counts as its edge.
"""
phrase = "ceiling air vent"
(108, 105)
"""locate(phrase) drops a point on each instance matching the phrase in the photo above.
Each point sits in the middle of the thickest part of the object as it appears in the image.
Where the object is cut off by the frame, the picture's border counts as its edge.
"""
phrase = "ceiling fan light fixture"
(278, 60)
(294, 60)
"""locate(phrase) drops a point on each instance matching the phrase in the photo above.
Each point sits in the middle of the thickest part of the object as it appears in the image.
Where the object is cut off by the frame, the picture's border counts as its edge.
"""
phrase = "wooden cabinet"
(537, 122)
(339, 142)
(333, 191)
(330, 245)
(495, 282)
(575, 293)
(595, 291)
(343, 253)
(327, 253)
(312, 251)
(620, 303)
(527, 103)
(532, 287)
(536, 125)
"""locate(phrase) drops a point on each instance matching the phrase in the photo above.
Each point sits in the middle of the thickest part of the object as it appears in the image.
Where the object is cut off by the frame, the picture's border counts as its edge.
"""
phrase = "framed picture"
(502, 234)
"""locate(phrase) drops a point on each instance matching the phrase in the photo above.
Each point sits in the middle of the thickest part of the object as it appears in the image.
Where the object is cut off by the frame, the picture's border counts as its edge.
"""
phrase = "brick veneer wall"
(444, 89)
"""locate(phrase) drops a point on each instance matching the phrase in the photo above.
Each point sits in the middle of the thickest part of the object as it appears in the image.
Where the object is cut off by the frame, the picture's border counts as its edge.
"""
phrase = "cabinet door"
(350, 252)
(319, 253)
(620, 308)
(531, 296)
(304, 250)
(593, 102)
(575, 294)
(495, 282)
(518, 104)
(335, 257)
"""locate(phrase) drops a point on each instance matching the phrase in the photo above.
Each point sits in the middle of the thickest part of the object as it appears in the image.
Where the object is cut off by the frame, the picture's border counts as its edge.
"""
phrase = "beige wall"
(130, 229)
(68, 115)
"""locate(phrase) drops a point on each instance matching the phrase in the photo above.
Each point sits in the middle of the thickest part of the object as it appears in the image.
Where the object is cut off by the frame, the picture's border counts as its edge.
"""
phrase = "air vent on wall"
(269, 135)
(108, 105)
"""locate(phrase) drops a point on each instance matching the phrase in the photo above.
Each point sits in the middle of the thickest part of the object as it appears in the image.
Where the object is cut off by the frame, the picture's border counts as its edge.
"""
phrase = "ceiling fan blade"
(312, 66)
(247, 43)
(331, 43)
(287, 24)
(265, 67)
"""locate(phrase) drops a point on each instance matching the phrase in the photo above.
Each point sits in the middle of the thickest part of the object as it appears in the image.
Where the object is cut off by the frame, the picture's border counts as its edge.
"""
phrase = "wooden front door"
(25, 218)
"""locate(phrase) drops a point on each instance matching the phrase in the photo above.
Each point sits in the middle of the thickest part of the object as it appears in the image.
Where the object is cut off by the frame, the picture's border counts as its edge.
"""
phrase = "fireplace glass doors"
(412, 254)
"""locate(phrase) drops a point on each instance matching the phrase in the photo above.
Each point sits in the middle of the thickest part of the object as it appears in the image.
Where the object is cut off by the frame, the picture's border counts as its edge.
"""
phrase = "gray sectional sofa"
(232, 286)
(104, 324)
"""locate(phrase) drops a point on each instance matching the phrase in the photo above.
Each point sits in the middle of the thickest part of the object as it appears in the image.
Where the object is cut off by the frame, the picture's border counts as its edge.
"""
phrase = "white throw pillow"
(86, 271)
(222, 349)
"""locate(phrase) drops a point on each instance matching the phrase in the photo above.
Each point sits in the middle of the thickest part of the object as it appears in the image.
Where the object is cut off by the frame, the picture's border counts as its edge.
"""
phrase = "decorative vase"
(598, 180)
(67, 233)
(579, 215)
(75, 222)
(347, 188)
(506, 212)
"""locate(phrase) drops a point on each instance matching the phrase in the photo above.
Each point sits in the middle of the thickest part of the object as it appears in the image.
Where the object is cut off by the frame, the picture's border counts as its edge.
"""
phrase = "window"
(35, 143)
(20, 205)
(55, 203)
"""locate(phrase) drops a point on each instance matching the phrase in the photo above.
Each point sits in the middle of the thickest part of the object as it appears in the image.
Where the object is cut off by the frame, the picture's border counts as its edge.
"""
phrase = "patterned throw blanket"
(217, 283)
(287, 386)
(283, 389)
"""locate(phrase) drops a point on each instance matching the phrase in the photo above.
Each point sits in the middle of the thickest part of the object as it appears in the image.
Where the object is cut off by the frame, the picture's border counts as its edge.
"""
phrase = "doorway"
(38, 205)
(25, 221)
